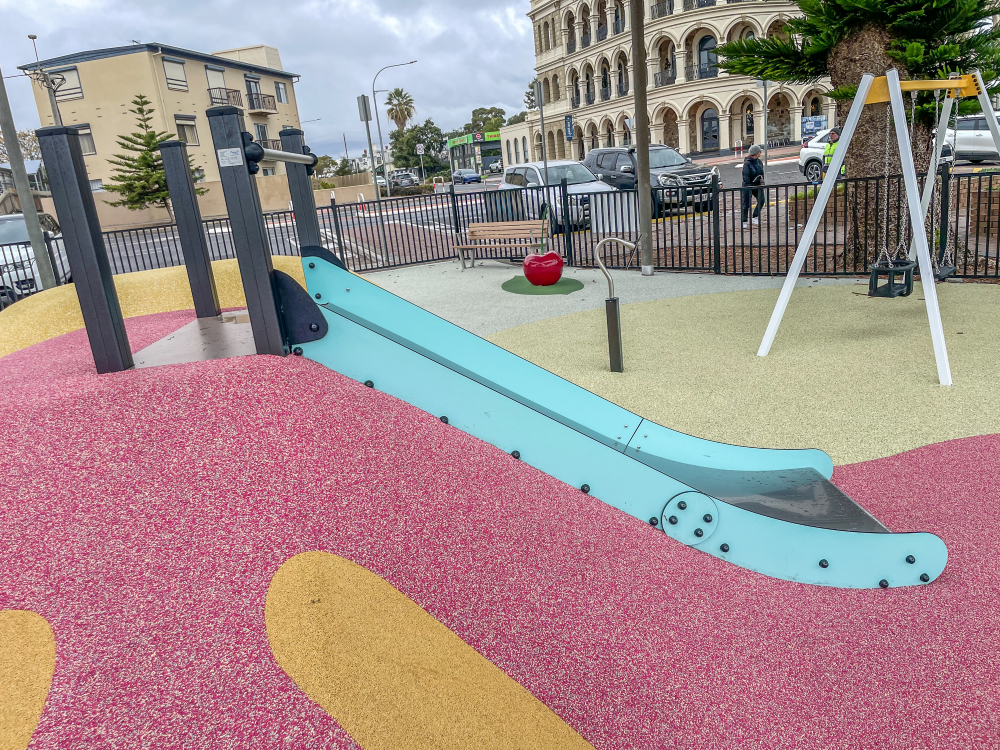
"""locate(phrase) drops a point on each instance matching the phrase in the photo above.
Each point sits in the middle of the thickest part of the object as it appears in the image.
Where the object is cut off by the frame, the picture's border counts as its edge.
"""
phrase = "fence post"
(47, 239)
(567, 222)
(300, 189)
(246, 221)
(190, 229)
(336, 227)
(454, 213)
(945, 208)
(716, 234)
(88, 258)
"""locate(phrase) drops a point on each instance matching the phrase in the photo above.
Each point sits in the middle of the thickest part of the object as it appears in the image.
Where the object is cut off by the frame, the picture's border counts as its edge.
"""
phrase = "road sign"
(569, 127)
(364, 108)
(420, 149)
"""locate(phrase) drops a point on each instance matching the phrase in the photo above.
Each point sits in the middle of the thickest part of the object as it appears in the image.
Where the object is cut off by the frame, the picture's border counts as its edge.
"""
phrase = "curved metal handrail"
(597, 257)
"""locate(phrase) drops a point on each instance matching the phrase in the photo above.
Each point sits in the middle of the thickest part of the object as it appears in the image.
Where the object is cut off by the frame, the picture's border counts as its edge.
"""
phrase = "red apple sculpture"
(543, 270)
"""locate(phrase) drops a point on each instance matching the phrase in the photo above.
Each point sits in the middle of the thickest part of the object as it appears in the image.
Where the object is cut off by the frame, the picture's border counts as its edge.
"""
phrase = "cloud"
(471, 53)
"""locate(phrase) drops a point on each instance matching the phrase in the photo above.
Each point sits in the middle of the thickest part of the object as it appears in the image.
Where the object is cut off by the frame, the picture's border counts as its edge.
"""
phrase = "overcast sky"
(471, 53)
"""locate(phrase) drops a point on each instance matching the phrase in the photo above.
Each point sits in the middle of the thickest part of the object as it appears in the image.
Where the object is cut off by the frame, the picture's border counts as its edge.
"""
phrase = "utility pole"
(24, 196)
(641, 132)
(366, 116)
(44, 79)
(346, 154)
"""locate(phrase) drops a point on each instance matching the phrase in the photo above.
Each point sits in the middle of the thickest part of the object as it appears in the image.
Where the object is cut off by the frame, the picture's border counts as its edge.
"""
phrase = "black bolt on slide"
(707, 518)
(319, 296)
(883, 584)
(824, 564)
(516, 454)
(369, 383)
(297, 351)
(585, 489)
(682, 505)
(653, 521)
(444, 419)
(313, 327)
(724, 548)
(312, 265)
(924, 577)
(911, 559)
(672, 520)
(699, 533)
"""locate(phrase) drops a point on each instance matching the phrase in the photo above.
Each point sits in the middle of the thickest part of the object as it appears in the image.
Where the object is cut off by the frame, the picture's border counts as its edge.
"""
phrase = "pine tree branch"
(774, 59)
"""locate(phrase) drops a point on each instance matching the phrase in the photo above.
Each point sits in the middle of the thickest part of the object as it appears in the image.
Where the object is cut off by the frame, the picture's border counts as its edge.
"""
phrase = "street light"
(378, 122)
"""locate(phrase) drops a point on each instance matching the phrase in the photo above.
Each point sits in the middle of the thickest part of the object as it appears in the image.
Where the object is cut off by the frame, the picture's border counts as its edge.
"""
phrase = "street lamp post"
(378, 122)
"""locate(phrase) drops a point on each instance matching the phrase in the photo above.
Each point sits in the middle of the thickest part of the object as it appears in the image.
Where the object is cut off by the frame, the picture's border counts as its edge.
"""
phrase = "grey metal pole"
(541, 117)
(53, 102)
(641, 132)
(190, 229)
(366, 118)
(84, 244)
(300, 189)
(246, 219)
(7, 127)
(381, 145)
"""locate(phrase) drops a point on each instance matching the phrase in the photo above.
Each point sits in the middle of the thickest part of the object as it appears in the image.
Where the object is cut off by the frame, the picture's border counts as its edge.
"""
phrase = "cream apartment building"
(583, 58)
(99, 85)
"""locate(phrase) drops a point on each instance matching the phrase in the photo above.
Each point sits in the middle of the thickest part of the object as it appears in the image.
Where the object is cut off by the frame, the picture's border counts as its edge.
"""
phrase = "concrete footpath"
(474, 300)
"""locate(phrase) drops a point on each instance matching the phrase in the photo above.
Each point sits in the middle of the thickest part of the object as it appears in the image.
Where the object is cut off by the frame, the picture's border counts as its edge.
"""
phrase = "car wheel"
(975, 161)
(814, 172)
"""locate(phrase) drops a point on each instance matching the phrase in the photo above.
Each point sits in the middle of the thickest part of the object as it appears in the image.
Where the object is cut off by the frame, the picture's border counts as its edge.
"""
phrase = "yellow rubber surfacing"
(389, 673)
(27, 663)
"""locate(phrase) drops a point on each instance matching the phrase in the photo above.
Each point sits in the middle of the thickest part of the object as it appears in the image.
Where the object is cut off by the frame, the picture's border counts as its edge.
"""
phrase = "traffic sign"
(420, 149)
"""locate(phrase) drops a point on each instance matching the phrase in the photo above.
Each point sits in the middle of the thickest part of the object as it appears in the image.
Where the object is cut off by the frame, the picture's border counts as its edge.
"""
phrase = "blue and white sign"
(812, 125)
(569, 127)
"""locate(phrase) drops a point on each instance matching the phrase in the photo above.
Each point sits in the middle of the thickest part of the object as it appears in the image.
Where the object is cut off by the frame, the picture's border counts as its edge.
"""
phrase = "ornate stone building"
(583, 57)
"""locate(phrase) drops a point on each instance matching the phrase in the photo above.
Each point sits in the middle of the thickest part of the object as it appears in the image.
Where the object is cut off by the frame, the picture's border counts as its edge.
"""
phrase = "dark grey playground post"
(253, 251)
(300, 189)
(190, 230)
(84, 244)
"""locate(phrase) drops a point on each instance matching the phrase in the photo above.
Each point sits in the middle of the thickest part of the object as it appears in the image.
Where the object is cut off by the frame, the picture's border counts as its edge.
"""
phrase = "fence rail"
(694, 229)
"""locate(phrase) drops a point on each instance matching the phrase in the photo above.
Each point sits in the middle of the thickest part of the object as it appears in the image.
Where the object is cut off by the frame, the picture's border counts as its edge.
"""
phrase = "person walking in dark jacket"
(753, 181)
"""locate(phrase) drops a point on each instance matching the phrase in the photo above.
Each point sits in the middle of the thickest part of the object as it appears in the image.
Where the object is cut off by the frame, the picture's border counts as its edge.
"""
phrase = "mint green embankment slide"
(771, 511)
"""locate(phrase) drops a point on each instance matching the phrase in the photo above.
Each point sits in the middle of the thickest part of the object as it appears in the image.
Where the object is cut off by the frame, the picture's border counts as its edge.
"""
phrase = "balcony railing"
(590, 97)
(602, 33)
(704, 70)
(665, 78)
(692, 4)
(571, 46)
(619, 26)
(261, 103)
(575, 102)
(222, 97)
(585, 41)
(271, 143)
(605, 93)
(662, 9)
(623, 89)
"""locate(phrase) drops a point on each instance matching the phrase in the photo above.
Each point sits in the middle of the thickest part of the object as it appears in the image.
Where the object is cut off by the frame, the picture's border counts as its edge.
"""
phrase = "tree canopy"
(403, 146)
(29, 146)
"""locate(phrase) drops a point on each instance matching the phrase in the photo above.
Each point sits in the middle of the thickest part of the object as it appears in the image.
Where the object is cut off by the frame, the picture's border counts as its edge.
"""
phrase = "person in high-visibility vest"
(829, 150)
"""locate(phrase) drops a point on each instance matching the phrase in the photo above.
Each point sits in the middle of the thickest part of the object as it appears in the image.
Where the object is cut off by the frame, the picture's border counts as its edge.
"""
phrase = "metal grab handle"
(597, 257)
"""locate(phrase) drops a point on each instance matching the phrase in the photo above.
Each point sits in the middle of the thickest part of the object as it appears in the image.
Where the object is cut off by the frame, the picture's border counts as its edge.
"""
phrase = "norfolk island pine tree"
(138, 174)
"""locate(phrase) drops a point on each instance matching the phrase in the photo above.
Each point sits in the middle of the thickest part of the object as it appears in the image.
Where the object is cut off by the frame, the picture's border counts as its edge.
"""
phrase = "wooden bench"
(503, 235)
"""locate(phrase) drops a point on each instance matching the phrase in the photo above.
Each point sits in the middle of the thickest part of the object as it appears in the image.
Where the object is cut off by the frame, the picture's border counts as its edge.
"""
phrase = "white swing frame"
(890, 89)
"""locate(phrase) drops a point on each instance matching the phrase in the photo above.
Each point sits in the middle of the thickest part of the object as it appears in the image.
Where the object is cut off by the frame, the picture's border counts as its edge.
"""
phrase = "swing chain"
(884, 254)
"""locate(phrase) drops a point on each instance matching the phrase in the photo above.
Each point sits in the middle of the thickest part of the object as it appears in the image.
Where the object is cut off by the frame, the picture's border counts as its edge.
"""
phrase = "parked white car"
(811, 156)
(18, 271)
(973, 139)
(579, 182)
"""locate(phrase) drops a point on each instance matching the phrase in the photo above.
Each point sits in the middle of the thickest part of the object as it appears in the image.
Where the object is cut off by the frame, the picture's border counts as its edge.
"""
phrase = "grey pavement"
(474, 300)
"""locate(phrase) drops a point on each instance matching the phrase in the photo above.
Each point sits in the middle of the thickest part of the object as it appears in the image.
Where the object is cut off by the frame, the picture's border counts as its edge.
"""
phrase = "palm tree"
(843, 39)
(400, 107)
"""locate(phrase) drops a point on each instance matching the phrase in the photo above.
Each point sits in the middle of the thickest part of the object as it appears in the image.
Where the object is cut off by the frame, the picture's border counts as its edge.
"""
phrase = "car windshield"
(574, 174)
(665, 157)
(13, 230)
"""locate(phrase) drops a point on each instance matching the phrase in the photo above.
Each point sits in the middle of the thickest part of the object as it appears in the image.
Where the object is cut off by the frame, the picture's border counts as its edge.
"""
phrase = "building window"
(524, 148)
(87, 141)
(186, 131)
(260, 129)
(97, 186)
(268, 172)
(517, 152)
(174, 71)
(280, 92)
(509, 159)
(67, 84)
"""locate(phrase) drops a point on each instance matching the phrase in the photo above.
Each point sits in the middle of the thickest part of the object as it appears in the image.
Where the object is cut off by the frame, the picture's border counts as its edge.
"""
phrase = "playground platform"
(256, 551)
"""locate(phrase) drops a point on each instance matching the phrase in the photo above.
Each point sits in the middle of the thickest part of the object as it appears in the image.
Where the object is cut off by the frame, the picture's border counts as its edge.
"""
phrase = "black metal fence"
(694, 229)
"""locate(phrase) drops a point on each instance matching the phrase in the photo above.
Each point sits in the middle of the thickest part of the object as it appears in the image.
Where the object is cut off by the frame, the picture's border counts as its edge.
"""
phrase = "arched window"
(555, 88)
(707, 59)
(814, 107)
(622, 78)
(546, 91)
(517, 151)
(524, 142)
(748, 112)
(509, 160)
(546, 37)
(611, 136)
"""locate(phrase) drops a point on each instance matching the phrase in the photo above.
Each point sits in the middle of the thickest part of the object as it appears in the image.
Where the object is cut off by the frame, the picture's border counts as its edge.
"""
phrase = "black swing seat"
(943, 272)
(897, 269)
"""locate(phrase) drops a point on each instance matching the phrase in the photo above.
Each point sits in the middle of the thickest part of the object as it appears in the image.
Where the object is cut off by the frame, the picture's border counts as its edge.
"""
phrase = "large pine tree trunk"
(869, 224)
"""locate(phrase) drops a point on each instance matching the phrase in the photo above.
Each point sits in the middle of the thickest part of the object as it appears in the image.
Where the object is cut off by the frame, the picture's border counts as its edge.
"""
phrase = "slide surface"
(772, 511)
